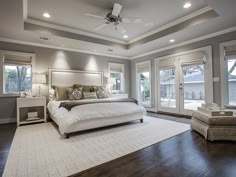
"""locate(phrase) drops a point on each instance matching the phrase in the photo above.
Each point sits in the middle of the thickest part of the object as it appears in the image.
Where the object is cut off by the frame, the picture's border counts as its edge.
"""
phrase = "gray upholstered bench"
(214, 127)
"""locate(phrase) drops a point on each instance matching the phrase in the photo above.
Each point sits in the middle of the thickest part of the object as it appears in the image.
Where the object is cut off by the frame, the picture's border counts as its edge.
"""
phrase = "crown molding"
(59, 48)
(186, 42)
(117, 56)
(173, 23)
(72, 30)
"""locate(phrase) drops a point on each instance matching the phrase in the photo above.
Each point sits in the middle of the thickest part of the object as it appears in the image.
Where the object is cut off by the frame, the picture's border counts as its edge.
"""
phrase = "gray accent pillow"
(61, 93)
(75, 94)
(90, 95)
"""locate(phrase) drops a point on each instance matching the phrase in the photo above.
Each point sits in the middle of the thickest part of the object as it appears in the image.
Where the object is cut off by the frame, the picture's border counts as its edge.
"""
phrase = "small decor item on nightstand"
(25, 94)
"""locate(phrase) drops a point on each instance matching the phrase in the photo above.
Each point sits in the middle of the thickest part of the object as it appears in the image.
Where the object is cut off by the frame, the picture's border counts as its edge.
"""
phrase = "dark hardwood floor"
(184, 155)
(7, 132)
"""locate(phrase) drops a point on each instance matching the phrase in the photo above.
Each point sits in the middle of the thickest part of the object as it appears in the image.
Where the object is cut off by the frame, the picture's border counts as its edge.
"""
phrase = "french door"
(184, 83)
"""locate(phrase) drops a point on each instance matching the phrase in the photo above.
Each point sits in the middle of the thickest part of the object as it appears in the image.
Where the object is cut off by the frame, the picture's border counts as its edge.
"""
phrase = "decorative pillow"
(101, 92)
(90, 95)
(62, 93)
(52, 94)
(75, 94)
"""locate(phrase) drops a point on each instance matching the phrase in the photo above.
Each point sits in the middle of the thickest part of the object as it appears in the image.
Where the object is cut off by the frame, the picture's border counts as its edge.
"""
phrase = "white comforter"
(65, 118)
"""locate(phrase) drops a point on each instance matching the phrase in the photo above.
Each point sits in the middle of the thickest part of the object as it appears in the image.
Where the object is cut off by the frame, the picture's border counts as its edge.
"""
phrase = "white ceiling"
(72, 14)
(12, 22)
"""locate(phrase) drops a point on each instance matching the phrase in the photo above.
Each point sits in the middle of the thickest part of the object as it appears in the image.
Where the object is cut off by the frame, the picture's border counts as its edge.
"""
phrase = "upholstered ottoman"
(214, 127)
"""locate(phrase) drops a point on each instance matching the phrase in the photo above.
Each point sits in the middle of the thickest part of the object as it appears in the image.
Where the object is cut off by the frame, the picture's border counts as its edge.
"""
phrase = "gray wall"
(214, 42)
(52, 58)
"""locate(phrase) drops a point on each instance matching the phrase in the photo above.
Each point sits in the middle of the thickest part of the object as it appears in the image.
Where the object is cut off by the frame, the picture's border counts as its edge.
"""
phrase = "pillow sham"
(90, 95)
(62, 93)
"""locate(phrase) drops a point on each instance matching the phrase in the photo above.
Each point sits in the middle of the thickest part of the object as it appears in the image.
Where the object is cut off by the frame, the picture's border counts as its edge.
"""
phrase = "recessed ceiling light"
(187, 4)
(46, 15)
(171, 40)
(125, 36)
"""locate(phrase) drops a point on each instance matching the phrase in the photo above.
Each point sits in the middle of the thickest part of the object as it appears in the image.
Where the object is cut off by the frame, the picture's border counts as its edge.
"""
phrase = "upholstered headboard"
(60, 77)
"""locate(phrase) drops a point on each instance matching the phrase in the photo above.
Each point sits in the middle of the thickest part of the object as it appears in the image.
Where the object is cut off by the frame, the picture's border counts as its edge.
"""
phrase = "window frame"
(224, 82)
(2, 72)
(138, 83)
(122, 84)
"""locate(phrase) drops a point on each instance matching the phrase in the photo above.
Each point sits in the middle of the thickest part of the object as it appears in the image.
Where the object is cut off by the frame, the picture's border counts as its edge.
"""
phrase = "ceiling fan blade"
(116, 9)
(132, 20)
(138, 20)
(95, 16)
(126, 20)
(101, 26)
(121, 29)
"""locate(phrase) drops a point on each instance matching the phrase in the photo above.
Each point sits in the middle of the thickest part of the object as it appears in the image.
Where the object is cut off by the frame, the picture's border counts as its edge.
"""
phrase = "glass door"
(183, 82)
(167, 90)
(192, 87)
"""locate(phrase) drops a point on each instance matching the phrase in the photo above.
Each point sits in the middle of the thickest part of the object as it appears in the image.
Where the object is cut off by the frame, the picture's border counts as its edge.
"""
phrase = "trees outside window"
(17, 78)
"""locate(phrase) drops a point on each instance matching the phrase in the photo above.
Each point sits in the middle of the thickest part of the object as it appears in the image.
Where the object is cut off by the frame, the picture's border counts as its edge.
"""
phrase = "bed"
(84, 114)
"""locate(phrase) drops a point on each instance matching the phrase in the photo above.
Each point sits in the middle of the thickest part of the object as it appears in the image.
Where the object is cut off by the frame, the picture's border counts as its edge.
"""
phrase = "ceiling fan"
(114, 17)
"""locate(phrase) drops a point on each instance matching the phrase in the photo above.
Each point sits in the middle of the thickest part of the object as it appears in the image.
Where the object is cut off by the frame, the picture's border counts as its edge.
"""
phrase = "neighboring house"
(194, 87)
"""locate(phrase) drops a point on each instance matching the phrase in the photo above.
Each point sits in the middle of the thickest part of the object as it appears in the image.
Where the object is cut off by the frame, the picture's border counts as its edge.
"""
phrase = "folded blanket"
(71, 104)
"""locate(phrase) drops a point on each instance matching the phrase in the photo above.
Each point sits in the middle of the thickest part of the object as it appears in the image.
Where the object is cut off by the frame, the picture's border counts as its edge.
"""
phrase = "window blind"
(167, 62)
(143, 67)
(230, 50)
(115, 67)
(21, 60)
(192, 57)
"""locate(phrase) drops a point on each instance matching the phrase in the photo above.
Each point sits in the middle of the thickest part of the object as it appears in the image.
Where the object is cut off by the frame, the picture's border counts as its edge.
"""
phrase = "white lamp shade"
(39, 79)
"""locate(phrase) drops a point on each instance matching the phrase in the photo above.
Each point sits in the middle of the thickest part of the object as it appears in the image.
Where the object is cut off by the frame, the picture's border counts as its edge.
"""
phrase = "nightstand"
(33, 104)
(118, 95)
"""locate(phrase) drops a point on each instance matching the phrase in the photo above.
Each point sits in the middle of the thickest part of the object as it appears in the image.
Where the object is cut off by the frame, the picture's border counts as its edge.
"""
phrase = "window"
(230, 75)
(116, 77)
(144, 83)
(230, 65)
(17, 74)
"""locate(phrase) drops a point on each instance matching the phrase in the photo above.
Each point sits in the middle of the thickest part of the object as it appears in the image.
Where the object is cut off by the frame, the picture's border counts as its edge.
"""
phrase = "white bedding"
(66, 119)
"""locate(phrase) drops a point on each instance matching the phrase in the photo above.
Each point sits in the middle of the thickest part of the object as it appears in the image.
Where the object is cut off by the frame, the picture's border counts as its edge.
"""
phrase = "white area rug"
(38, 150)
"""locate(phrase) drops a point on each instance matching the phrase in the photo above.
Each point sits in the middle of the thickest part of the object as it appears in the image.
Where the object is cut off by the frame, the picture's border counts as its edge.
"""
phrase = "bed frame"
(62, 77)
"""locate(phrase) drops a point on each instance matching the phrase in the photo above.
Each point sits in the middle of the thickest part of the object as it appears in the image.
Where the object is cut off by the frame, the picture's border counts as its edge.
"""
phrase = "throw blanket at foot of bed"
(70, 105)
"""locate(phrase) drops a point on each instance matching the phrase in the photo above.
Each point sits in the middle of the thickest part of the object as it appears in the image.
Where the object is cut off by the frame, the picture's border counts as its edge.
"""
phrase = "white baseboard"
(7, 120)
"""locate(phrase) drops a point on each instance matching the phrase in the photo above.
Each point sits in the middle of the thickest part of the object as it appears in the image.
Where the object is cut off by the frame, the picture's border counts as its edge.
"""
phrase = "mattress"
(95, 115)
